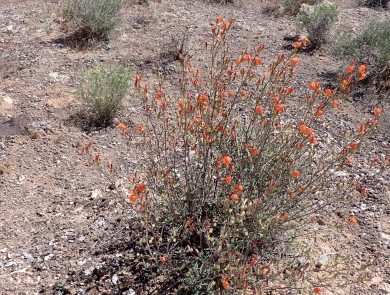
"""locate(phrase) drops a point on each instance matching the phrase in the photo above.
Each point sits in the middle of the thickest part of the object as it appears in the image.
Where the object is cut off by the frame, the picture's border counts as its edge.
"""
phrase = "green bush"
(233, 175)
(317, 21)
(371, 44)
(292, 7)
(93, 18)
(103, 91)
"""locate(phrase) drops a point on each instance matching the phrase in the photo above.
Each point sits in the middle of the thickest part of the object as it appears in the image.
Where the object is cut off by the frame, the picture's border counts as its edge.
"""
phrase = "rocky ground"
(60, 221)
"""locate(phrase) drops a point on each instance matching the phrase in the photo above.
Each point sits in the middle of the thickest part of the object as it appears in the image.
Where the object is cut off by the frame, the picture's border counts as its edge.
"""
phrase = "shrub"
(103, 91)
(93, 18)
(318, 23)
(232, 176)
(175, 47)
(221, 1)
(292, 7)
(374, 3)
(371, 44)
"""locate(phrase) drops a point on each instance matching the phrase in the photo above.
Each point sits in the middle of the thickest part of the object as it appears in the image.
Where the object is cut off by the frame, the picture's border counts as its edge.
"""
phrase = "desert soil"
(60, 220)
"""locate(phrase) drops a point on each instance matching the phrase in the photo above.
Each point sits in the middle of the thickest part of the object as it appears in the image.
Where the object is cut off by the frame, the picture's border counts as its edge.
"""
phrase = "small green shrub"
(317, 21)
(375, 3)
(372, 43)
(103, 91)
(292, 7)
(233, 175)
(93, 18)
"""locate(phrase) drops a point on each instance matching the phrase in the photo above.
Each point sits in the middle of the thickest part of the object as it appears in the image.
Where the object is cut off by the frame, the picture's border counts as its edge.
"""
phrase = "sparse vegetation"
(292, 7)
(375, 3)
(317, 20)
(103, 90)
(93, 18)
(175, 47)
(371, 45)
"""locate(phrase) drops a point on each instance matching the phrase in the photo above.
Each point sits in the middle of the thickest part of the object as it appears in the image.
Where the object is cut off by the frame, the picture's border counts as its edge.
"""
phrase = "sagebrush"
(371, 45)
(103, 90)
(93, 18)
(318, 22)
(292, 7)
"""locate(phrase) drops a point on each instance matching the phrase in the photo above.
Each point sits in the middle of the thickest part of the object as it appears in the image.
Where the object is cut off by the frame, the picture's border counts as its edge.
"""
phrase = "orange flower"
(336, 103)
(353, 146)
(350, 69)
(246, 58)
(328, 92)
(228, 179)
(294, 61)
(302, 128)
(218, 163)
(140, 188)
(234, 197)
(312, 140)
(352, 220)
(133, 198)
(317, 290)
(219, 19)
(239, 188)
(349, 160)
(377, 112)
(295, 173)
(243, 93)
(231, 93)
(279, 107)
(297, 44)
(226, 160)
(163, 259)
(225, 283)
(344, 83)
(376, 160)
(254, 260)
(139, 128)
(285, 216)
(120, 126)
(159, 95)
(362, 76)
(164, 104)
(275, 99)
(314, 86)
(362, 69)
(258, 60)
(362, 127)
(259, 110)
(181, 105)
(309, 131)
(255, 152)
(320, 113)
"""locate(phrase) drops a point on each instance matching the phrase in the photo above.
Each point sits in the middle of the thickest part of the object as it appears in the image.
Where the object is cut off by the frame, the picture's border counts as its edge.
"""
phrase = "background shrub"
(292, 7)
(318, 23)
(103, 90)
(374, 3)
(93, 18)
(372, 44)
